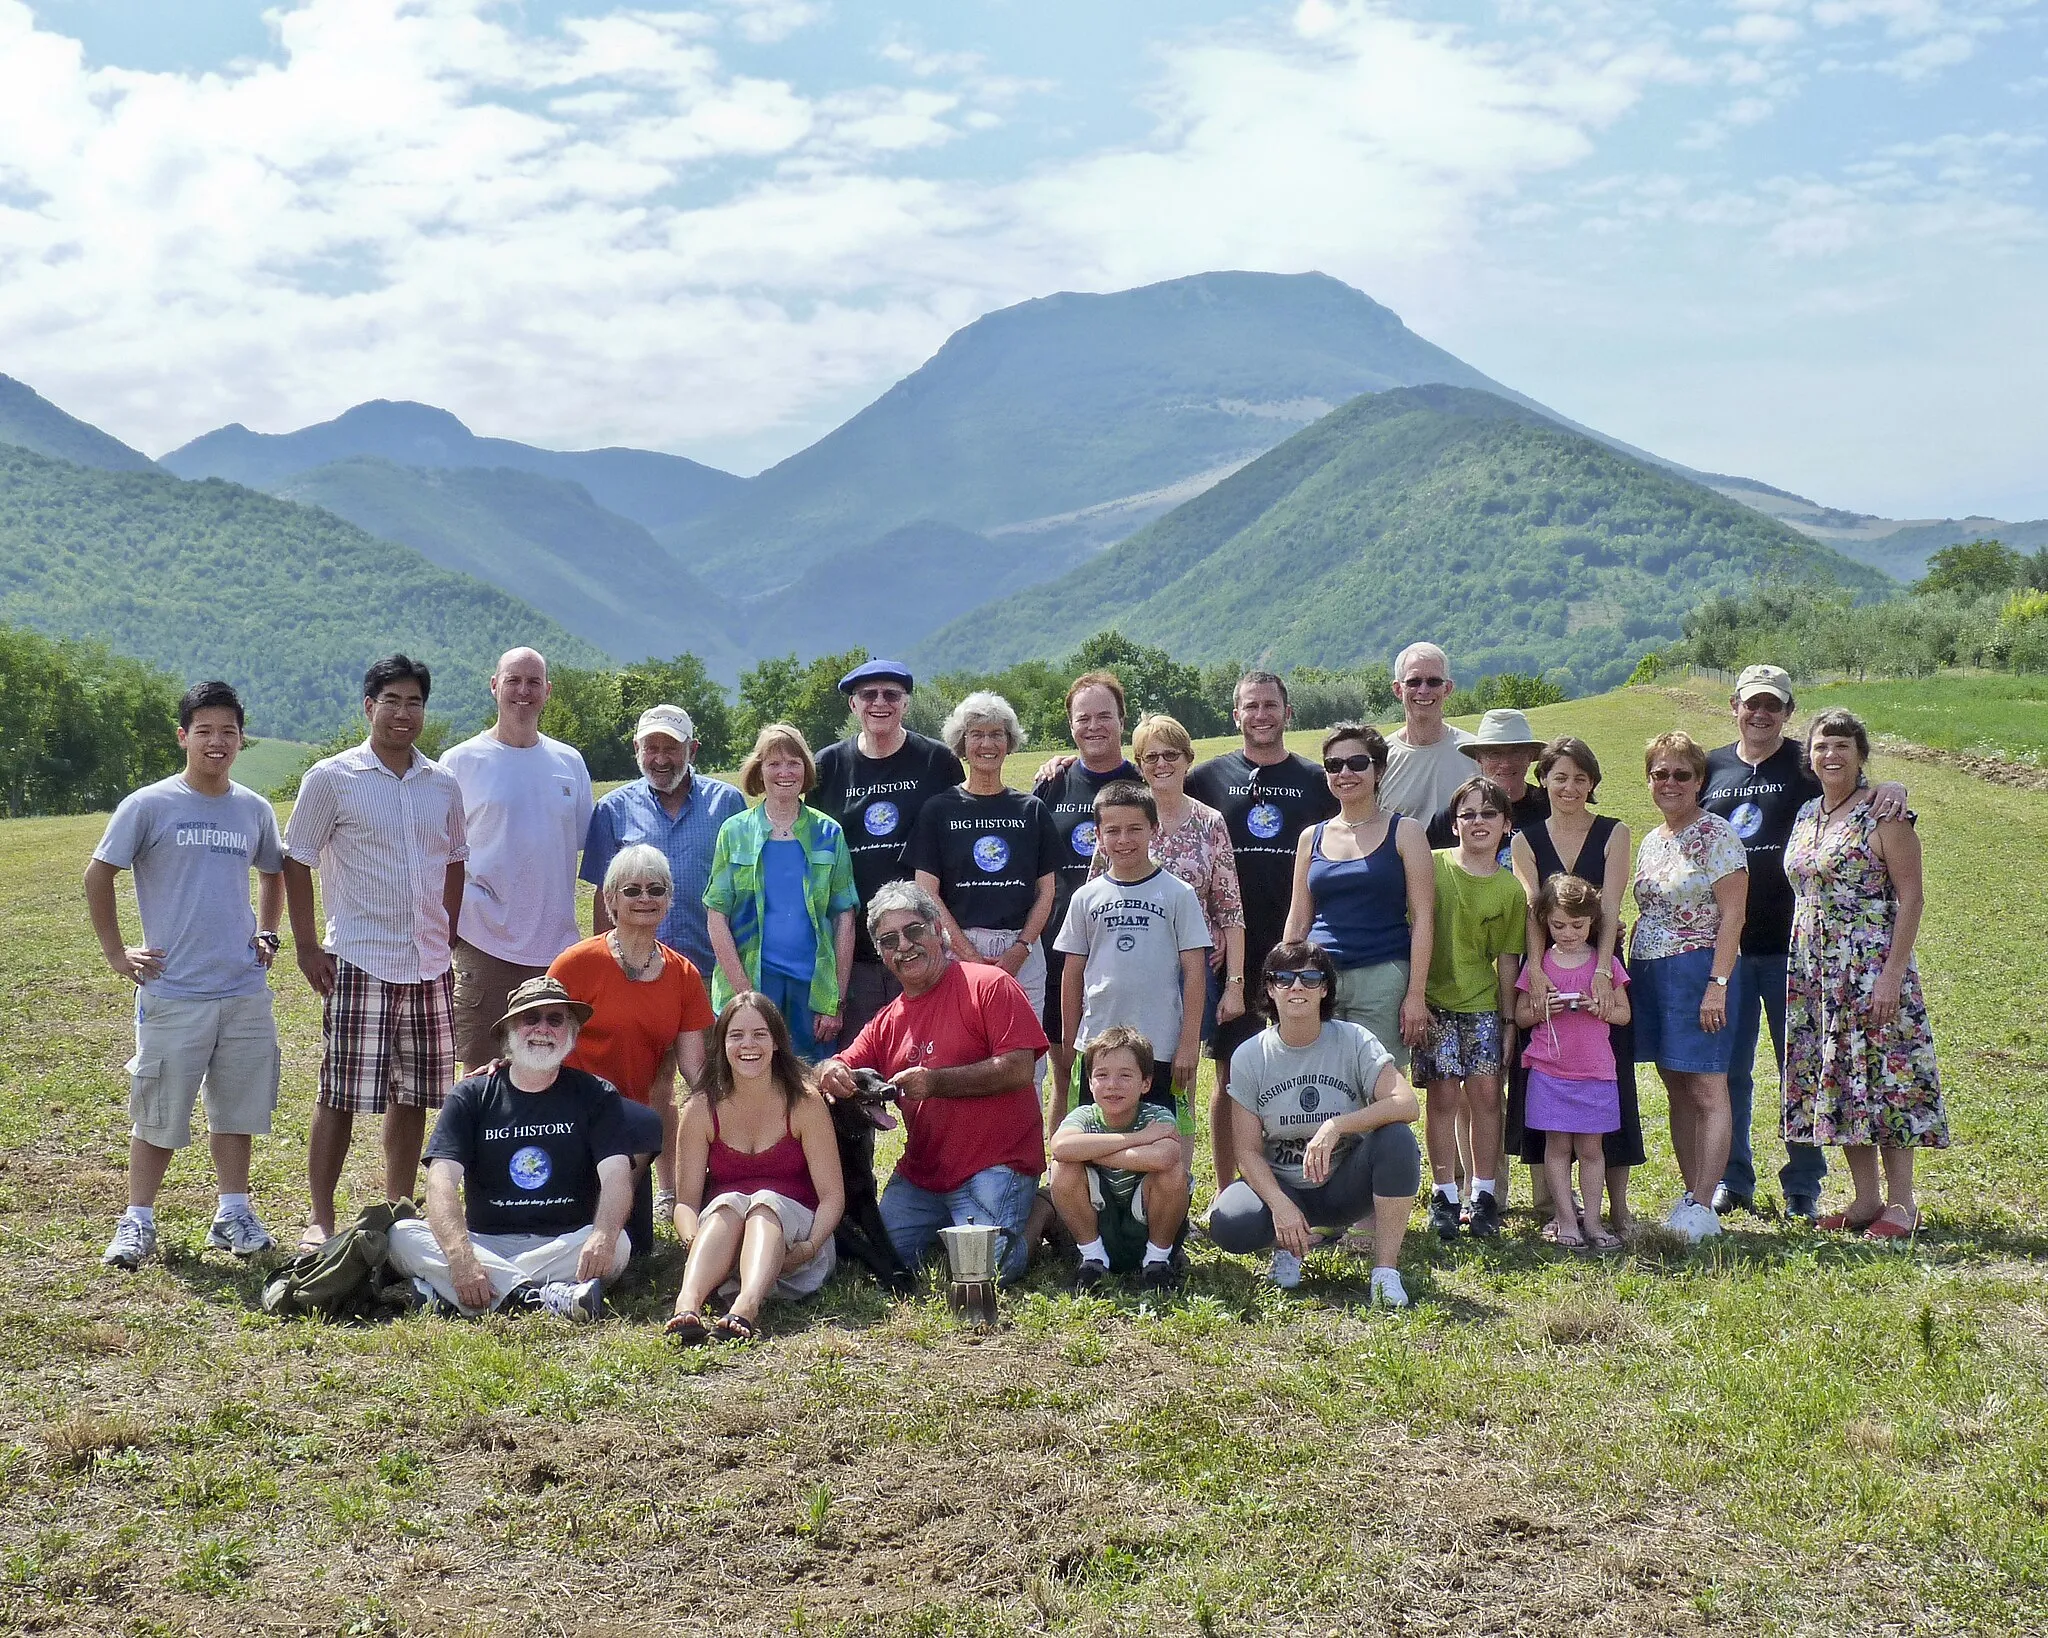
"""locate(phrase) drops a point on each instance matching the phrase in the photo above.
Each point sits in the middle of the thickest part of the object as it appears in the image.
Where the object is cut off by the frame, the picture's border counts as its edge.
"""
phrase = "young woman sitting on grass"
(758, 1141)
(1573, 1096)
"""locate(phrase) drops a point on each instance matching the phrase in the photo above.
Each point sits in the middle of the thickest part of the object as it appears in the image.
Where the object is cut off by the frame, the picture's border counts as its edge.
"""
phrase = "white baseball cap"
(671, 720)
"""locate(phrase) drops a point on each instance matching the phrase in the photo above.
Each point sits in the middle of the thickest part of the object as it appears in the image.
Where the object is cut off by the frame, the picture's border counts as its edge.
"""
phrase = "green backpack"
(348, 1278)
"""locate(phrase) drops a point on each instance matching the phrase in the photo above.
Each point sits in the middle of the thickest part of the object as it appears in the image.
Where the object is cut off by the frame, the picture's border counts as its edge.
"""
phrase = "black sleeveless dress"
(1624, 1146)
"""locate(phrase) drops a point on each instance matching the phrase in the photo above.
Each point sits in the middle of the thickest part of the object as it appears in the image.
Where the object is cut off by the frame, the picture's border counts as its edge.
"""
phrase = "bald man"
(1425, 761)
(526, 805)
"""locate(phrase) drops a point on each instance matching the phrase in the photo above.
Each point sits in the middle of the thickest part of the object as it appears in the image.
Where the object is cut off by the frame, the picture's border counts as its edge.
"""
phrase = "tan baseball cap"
(1764, 679)
(671, 720)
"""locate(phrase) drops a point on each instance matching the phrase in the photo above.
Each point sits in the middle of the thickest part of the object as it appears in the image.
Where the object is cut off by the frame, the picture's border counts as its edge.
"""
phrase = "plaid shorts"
(386, 1042)
(1460, 1044)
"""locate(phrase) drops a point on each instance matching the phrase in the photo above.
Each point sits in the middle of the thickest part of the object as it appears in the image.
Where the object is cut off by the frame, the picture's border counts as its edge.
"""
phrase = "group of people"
(1032, 977)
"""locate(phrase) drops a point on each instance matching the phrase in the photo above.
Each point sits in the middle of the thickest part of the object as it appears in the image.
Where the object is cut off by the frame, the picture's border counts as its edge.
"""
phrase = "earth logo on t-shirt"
(531, 1168)
(991, 853)
(1084, 838)
(880, 818)
(1310, 1097)
(1263, 821)
(1747, 819)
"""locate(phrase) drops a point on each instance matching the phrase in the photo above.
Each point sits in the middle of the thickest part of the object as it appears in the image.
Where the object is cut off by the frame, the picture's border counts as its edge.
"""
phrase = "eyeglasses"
(1469, 814)
(1154, 758)
(1307, 978)
(880, 696)
(554, 1018)
(911, 932)
(1347, 764)
(1425, 682)
(1764, 702)
(399, 702)
(1672, 776)
(651, 890)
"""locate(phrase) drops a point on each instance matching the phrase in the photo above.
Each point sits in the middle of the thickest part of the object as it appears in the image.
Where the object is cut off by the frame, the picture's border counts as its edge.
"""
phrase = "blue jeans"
(792, 998)
(1756, 994)
(999, 1197)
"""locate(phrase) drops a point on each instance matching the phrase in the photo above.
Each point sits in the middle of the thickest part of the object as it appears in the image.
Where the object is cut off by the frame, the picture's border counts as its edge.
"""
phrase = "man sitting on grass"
(530, 1175)
(1117, 1179)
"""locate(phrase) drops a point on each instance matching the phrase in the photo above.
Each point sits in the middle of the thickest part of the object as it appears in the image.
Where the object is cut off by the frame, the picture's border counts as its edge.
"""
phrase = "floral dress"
(1844, 1082)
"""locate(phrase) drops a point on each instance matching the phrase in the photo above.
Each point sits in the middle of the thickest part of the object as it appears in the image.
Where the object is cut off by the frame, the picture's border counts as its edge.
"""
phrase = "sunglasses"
(911, 932)
(1469, 814)
(1347, 764)
(652, 890)
(1426, 682)
(880, 696)
(1672, 776)
(1307, 978)
(554, 1018)
(1765, 702)
(1154, 758)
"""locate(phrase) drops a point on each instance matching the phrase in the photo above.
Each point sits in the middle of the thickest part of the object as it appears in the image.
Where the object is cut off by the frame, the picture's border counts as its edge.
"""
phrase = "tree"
(1976, 569)
(1153, 681)
(682, 681)
(80, 726)
(804, 694)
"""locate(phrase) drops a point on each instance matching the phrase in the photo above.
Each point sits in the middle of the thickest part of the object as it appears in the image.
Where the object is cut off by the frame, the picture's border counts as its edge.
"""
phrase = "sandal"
(736, 1328)
(688, 1329)
(1550, 1233)
(313, 1238)
(1838, 1222)
(1887, 1227)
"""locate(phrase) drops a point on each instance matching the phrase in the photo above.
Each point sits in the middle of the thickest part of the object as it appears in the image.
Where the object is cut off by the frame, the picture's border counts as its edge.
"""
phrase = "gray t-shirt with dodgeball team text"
(1293, 1090)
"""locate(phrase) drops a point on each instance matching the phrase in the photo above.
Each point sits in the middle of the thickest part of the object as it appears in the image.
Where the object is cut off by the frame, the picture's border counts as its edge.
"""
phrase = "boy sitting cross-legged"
(1117, 1178)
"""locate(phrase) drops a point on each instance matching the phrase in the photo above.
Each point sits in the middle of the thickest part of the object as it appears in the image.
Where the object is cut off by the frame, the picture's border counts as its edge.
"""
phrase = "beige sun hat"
(1503, 730)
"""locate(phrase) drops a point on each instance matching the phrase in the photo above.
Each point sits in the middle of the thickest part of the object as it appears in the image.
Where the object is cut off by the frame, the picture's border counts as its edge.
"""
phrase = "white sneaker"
(1286, 1270)
(580, 1303)
(133, 1241)
(1691, 1219)
(1387, 1289)
(239, 1231)
(1705, 1224)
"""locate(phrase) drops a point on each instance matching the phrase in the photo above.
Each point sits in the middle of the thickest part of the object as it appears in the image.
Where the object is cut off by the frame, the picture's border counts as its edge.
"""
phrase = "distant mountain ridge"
(1421, 511)
(28, 420)
(656, 491)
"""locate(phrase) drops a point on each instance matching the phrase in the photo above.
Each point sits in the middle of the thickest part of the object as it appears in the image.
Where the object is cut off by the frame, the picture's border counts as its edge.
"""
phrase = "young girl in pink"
(1572, 1092)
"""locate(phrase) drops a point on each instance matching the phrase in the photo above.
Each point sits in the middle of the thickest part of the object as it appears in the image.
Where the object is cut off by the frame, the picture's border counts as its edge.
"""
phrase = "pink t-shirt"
(1573, 1046)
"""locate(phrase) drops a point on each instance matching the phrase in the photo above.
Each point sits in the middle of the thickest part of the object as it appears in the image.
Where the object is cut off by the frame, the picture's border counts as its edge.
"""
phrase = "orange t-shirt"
(631, 1024)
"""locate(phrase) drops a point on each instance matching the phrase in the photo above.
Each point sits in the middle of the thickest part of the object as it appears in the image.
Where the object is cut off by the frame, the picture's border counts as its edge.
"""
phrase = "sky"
(1801, 240)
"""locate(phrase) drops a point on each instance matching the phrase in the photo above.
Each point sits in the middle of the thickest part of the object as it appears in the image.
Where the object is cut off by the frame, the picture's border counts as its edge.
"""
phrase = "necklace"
(1827, 814)
(633, 972)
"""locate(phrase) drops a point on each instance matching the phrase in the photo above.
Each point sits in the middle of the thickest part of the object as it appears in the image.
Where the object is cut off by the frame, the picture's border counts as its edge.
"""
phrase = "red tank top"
(782, 1166)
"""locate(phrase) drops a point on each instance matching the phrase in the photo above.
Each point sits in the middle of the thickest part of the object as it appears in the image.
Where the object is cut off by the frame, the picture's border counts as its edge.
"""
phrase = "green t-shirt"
(1479, 919)
(1117, 1183)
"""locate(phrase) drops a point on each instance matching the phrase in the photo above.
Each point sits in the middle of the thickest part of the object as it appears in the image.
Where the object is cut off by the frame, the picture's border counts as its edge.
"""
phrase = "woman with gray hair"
(987, 854)
(648, 1005)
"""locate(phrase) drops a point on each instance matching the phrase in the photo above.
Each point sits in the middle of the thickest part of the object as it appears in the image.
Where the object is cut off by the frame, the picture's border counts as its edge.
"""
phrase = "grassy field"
(269, 763)
(1999, 715)
(1780, 1433)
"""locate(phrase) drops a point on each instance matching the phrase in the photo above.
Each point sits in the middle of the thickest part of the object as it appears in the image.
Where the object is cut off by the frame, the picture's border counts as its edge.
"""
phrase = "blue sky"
(1802, 240)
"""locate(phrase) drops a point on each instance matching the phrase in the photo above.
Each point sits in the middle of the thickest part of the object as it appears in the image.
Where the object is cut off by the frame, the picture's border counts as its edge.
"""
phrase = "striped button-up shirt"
(382, 845)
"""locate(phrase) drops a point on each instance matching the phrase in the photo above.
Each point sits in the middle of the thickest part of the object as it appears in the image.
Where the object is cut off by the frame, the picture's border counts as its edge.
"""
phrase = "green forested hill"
(546, 542)
(210, 579)
(31, 421)
(1429, 511)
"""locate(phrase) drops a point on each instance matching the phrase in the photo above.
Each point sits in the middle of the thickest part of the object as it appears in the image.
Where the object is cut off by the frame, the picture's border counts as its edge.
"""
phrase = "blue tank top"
(1361, 904)
(789, 944)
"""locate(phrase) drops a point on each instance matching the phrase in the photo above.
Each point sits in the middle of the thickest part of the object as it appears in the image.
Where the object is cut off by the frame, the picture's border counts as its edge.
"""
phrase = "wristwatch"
(1716, 978)
(269, 940)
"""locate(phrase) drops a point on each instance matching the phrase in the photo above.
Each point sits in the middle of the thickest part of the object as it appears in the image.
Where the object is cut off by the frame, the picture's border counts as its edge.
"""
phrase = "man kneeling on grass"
(530, 1175)
(1324, 1128)
(1117, 1178)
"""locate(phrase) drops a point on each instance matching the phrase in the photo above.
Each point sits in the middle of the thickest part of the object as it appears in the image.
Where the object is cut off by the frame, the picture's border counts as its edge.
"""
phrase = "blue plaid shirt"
(633, 813)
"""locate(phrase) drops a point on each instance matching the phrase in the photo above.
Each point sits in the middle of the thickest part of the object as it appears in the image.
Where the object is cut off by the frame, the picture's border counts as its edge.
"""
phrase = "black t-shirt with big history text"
(529, 1159)
(1071, 797)
(1761, 803)
(987, 852)
(1266, 808)
(876, 801)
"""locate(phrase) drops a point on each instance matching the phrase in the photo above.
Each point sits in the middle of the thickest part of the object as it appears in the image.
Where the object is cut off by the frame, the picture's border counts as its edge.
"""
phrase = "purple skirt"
(1559, 1105)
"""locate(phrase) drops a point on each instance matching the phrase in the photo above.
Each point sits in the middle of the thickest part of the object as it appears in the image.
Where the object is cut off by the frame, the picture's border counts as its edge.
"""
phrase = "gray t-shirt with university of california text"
(1132, 935)
(1293, 1090)
(191, 856)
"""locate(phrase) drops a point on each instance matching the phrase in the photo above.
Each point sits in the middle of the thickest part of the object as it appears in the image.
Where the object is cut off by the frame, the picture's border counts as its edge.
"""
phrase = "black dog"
(860, 1234)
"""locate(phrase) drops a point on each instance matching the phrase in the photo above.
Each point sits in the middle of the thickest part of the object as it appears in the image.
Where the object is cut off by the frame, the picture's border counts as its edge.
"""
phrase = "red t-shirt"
(971, 1014)
(631, 1024)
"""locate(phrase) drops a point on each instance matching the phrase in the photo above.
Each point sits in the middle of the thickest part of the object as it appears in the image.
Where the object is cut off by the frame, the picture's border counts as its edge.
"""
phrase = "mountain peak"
(30, 420)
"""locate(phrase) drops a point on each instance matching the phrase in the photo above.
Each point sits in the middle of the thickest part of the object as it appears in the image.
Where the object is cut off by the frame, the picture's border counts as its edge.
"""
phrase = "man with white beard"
(529, 1175)
(671, 807)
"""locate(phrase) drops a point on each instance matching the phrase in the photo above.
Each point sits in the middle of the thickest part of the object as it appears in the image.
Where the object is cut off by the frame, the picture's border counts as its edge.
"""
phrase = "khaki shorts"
(1372, 996)
(483, 986)
(226, 1046)
(796, 1219)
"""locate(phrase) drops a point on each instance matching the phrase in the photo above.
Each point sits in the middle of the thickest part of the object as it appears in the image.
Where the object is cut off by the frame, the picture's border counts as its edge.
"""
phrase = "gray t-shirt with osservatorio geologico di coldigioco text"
(1293, 1090)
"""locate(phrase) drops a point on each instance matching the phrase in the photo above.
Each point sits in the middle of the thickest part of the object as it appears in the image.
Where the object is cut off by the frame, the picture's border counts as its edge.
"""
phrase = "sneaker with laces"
(1286, 1270)
(580, 1302)
(1484, 1222)
(1090, 1275)
(134, 1241)
(239, 1231)
(1443, 1217)
(1387, 1289)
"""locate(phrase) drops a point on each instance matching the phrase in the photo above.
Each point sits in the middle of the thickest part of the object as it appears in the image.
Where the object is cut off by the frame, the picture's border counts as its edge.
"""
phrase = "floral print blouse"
(1674, 885)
